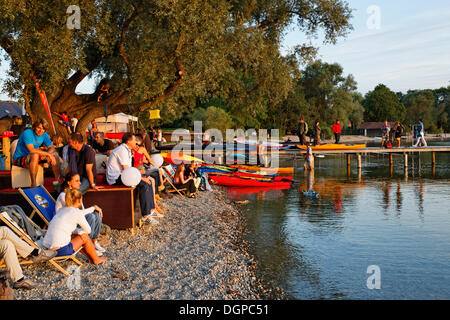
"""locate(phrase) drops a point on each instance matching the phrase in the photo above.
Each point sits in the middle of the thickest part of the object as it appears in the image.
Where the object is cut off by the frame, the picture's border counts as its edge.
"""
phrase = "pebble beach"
(197, 251)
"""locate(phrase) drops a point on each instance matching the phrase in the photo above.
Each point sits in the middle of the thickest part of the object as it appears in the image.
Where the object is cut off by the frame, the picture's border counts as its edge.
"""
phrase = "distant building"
(373, 129)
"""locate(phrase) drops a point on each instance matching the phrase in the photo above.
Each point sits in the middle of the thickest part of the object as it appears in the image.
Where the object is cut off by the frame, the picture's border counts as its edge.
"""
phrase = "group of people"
(302, 130)
(397, 131)
(73, 226)
(388, 134)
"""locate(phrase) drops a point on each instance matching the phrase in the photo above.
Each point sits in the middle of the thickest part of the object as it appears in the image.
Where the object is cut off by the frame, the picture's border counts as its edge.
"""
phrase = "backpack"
(6, 292)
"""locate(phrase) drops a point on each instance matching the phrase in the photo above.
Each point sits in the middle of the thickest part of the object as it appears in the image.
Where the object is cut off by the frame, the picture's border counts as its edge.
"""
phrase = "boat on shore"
(334, 146)
(234, 181)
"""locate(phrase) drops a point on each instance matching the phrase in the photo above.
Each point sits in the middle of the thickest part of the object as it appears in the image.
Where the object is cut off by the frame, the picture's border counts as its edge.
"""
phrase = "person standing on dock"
(385, 131)
(398, 131)
(337, 131)
(421, 135)
(317, 133)
(302, 129)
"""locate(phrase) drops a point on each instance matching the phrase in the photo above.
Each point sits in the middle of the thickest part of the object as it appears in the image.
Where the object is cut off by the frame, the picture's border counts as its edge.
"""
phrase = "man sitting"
(81, 159)
(102, 145)
(10, 246)
(119, 160)
(30, 153)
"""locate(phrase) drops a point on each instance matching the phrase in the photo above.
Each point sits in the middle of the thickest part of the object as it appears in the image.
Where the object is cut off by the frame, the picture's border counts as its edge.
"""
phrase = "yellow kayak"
(267, 170)
(333, 146)
(179, 157)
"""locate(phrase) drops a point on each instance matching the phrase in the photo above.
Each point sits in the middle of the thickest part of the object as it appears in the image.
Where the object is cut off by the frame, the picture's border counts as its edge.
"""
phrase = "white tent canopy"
(116, 123)
(118, 117)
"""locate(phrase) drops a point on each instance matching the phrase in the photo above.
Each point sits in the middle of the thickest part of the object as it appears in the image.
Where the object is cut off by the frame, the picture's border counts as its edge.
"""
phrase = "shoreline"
(196, 252)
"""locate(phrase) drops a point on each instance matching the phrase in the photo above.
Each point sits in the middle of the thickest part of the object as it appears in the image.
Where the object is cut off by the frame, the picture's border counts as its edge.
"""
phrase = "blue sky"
(409, 50)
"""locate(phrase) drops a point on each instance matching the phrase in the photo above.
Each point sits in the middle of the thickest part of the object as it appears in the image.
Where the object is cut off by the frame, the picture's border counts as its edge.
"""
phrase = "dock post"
(406, 161)
(348, 163)
(359, 161)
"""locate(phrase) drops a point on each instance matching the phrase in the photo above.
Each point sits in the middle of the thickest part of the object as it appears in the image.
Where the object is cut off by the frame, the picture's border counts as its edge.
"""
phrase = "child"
(64, 120)
(159, 137)
(309, 159)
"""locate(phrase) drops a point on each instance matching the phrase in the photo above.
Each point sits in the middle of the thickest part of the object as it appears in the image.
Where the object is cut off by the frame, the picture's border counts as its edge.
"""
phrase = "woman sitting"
(93, 217)
(181, 181)
(60, 235)
(191, 171)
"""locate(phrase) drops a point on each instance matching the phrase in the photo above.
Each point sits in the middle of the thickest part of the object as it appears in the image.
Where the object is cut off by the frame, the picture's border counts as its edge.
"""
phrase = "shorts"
(65, 251)
(65, 123)
(24, 162)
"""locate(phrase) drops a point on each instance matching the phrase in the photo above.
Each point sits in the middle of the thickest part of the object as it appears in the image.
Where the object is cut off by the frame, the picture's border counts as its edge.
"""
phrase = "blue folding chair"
(41, 201)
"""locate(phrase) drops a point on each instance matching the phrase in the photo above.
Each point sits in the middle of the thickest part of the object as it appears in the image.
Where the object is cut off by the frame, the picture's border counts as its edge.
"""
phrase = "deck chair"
(6, 219)
(41, 201)
(168, 175)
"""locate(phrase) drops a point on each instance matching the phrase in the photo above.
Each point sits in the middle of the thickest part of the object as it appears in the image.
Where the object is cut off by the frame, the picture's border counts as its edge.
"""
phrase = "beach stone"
(197, 251)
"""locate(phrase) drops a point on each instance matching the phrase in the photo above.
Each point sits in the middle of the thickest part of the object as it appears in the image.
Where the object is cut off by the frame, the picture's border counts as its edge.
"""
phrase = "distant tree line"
(322, 92)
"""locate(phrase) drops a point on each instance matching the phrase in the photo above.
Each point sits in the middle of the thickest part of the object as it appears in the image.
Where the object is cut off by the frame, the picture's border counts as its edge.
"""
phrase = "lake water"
(321, 248)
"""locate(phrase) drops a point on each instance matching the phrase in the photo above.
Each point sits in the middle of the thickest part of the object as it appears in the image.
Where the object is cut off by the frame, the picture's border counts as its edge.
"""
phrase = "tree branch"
(125, 59)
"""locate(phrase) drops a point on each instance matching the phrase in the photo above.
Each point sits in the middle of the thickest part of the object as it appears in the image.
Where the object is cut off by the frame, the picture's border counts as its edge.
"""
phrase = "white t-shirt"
(62, 225)
(119, 157)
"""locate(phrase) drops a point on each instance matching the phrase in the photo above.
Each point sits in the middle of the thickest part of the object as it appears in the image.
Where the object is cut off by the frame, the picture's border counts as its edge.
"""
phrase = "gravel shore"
(195, 252)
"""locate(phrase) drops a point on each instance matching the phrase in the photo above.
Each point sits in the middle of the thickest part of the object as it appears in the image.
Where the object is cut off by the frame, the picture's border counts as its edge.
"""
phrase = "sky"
(408, 47)
(402, 44)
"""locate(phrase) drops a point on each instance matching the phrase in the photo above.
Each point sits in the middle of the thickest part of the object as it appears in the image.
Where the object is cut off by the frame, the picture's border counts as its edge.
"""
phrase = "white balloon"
(131, 177)
(158, 160)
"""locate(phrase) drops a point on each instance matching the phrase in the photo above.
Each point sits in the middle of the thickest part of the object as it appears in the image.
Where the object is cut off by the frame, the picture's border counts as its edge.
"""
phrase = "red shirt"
(337, 128)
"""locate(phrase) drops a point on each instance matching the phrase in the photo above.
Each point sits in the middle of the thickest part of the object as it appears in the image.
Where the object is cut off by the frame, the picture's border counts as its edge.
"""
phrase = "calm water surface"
(321, 248)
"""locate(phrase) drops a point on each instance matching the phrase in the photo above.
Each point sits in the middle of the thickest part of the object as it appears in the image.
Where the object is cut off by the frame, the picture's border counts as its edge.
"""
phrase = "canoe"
(268, 170)
(251, 176)
(225, 169)
(243, 182)
(333, 146)
(176, 158)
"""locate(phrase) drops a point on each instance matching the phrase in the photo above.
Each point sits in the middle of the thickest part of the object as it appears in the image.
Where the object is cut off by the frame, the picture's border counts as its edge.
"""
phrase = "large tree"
(323, 93)
(383, 104)
(153, 52)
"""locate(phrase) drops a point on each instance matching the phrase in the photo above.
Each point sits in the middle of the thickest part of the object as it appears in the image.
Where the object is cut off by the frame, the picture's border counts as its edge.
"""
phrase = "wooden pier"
(404, 151)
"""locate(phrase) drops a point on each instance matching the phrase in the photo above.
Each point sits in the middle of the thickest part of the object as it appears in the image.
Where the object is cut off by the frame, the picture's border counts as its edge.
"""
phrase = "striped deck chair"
(41, 201)
(6, 219)
(168, 175)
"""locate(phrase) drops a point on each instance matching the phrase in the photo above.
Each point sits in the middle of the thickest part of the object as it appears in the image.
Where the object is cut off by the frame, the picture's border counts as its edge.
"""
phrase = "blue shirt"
(29, 137)
(421, 128)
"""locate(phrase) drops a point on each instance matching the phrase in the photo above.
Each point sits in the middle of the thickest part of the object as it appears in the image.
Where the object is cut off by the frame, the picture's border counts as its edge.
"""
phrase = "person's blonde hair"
(72, 196)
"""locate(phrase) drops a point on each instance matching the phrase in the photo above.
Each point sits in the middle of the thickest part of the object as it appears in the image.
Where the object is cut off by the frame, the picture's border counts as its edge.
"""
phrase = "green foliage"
(166, 54)
(430, 105)
(383, 104)
(321, 93)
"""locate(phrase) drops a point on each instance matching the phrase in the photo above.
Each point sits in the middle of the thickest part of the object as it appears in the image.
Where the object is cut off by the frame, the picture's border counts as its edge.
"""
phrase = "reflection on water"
(321, 248)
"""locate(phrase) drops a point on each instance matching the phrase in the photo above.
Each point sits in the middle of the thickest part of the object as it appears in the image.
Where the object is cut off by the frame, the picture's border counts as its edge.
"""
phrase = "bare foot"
(101, 260)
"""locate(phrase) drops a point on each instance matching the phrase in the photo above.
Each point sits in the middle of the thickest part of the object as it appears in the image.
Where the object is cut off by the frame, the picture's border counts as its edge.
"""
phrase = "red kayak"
(247, 182)
(252, 176)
